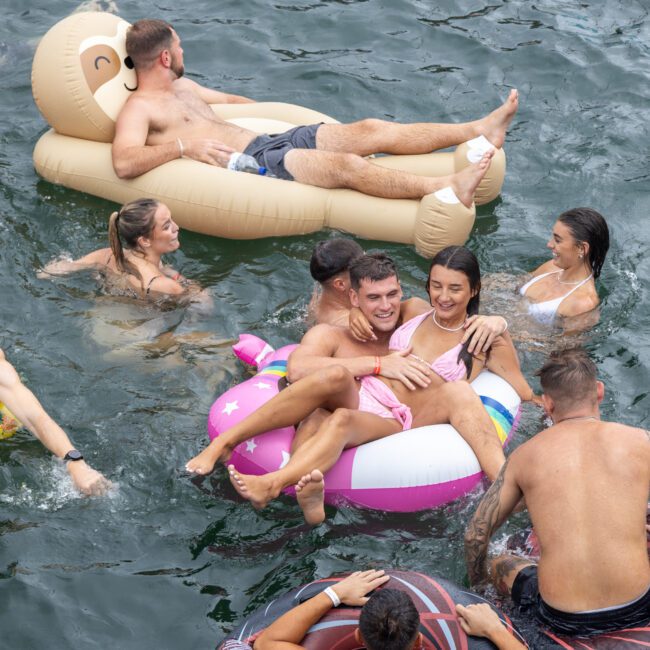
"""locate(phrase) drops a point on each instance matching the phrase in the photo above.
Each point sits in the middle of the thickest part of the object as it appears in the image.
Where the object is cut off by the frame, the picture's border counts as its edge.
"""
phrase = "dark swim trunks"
(525, 594)
(270, 150)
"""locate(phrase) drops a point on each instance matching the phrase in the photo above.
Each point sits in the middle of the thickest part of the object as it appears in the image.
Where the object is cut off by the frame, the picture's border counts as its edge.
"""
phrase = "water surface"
(167, 562)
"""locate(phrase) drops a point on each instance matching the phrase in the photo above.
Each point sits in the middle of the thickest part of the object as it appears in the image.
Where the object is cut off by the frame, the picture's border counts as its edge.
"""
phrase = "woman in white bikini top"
(565, 286)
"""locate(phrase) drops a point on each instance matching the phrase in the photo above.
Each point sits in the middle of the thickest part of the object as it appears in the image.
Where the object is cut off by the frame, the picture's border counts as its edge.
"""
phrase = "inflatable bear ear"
(81, 75)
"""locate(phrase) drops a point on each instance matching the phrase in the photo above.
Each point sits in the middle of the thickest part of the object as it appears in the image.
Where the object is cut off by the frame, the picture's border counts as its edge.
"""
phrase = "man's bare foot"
(259, 490)
(465, 182)
(495, 125)
(310, 491)
(203, 463)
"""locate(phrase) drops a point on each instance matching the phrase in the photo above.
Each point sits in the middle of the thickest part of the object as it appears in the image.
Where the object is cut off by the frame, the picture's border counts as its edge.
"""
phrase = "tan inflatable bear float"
(81, 77)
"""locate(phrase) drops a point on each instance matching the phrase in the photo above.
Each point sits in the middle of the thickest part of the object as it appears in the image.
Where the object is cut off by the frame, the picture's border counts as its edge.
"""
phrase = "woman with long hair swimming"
(565, 286)
(140, 233)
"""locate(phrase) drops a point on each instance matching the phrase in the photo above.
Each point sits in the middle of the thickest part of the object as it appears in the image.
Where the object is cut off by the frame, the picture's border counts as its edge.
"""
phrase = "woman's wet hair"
(146, 39)
(460, 258)
(373, 267)
(333, 256)
(587, 225)
(569, 377)
(134, 220)
(389, 621)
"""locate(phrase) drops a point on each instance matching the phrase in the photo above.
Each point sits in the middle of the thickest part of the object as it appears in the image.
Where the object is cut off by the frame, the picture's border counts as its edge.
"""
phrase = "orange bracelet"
(377, 369)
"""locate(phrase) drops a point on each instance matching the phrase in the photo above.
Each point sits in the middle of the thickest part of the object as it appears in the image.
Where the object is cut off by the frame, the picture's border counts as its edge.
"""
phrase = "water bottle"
(241, 162)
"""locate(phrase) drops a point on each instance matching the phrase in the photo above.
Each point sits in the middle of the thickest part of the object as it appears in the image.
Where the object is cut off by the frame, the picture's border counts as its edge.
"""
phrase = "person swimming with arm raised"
(29, 411)
(140, 233)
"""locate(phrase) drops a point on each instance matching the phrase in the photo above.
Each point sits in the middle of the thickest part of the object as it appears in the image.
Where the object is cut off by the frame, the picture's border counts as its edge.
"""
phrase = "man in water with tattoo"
(585, 483)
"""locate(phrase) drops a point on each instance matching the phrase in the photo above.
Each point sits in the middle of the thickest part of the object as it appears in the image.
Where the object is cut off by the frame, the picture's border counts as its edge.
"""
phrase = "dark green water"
(169, 563)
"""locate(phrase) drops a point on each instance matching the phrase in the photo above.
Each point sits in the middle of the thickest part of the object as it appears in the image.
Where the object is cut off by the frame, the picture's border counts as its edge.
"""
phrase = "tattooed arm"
(495, 506)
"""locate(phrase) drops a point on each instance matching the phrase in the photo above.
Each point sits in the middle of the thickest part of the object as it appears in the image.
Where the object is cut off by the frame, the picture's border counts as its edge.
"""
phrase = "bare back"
(586, 486)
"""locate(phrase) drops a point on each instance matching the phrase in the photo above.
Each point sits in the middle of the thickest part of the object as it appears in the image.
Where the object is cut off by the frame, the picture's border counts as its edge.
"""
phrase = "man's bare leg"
(456, 403)
(343, 170)
(331, 388)
(504, 569)
(310, 493)
(344, 428)
(378, 136)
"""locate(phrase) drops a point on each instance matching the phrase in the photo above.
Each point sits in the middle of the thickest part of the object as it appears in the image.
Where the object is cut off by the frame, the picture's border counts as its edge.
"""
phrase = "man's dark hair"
(389, 620)
(333, 256)
(373, 267)
(146, 39)
(568, 376)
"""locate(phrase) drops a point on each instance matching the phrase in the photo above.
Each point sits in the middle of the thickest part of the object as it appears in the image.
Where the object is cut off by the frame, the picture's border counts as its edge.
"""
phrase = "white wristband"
(180, 147)
(336, 601)
(506, 327)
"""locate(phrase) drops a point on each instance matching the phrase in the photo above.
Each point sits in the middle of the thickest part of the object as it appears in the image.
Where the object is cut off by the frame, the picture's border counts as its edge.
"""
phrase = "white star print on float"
(250, 445)
(286, 456)
(262, 386)
(230, 407)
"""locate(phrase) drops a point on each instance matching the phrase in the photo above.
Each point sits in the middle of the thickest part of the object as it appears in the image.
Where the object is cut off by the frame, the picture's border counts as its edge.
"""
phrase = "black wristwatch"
(73, 454)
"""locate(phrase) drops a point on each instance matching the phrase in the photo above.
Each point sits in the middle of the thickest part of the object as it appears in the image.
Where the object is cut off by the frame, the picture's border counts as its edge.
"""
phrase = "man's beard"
(178, 70)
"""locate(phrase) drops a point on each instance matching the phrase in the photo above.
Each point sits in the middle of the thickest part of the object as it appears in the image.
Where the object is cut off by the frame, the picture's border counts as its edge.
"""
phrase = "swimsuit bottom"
(525, 594)
(270, 150)
(376, 398)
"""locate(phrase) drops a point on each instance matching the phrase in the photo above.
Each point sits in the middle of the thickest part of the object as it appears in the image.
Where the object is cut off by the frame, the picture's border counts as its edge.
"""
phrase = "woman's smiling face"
(449, 292)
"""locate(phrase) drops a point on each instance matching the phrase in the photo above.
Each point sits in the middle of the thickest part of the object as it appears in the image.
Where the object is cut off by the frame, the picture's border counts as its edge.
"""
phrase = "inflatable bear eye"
(128, 63)
(100, 63)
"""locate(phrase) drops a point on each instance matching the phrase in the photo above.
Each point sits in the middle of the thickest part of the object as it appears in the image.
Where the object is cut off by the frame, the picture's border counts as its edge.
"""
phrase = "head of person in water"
(454, 288)
(151, 40)
(376, 291)
(145, 227)
(389, 621)
(580, 236)
(569, 384)
(330, 263)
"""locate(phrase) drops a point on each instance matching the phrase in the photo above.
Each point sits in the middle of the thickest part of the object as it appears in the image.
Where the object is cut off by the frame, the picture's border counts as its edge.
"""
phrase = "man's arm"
(318, 349)
(289, 630)
(482, 620)
(132, 156)
(24, 405)
(495, 507)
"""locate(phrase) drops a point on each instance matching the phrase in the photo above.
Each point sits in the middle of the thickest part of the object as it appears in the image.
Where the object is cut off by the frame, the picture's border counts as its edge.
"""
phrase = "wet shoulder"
(547, 267)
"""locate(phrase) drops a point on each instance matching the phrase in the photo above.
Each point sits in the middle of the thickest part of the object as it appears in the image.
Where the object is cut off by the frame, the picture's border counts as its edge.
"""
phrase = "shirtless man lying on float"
(169, 117)
(324, 370)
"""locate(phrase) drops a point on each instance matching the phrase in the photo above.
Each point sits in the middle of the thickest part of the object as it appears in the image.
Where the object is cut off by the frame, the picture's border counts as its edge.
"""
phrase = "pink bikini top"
(446, 365)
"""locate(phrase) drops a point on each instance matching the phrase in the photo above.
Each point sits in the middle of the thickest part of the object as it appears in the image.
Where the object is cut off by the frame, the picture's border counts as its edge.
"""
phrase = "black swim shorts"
(525, 594)
(269, 150)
